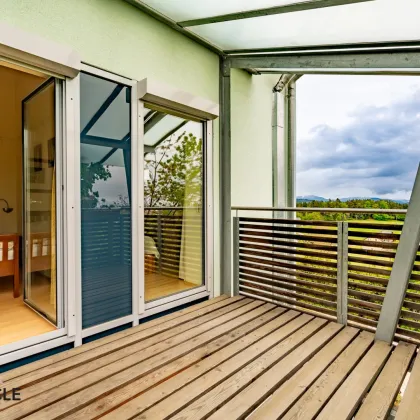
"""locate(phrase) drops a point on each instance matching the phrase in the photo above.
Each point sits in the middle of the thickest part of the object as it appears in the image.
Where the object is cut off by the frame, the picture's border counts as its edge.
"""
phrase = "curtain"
(190, 264)
(53, 289)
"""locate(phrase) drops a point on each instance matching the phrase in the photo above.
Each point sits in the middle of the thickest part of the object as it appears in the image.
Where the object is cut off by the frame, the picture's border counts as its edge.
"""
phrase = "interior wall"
(14, 86)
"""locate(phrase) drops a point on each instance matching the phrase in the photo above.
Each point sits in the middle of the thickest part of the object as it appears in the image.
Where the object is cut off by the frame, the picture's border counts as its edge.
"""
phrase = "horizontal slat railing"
(165, 227)
(292, 264)
(299, 263)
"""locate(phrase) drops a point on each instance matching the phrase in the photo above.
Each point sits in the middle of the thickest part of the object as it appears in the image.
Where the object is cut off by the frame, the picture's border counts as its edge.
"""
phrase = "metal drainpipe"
(286, 83)
(291, 143)
(279, 149)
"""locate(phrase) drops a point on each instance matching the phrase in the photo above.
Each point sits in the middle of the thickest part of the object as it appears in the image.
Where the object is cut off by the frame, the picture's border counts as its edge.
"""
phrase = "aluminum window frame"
(66, 94)
(191, 107)
(135, 263)
(10, 352)
(208, 233)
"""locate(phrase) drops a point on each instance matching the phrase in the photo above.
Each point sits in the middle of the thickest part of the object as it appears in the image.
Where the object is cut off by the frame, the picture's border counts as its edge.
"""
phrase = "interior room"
(28, 292)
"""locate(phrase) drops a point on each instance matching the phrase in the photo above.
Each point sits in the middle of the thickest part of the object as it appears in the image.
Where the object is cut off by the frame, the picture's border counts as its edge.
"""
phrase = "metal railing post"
(401, 269)
(235, 256)
(342, 271)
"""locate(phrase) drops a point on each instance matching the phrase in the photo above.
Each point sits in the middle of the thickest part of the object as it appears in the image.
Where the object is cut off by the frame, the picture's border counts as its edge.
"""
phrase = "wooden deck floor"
(227, 358)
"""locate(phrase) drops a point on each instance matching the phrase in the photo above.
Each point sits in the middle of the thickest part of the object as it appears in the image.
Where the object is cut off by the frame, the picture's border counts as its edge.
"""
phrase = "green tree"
(89, 174)
(175, 169)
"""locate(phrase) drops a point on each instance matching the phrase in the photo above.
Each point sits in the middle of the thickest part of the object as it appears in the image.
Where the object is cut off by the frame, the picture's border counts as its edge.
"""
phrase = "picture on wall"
(51, 152)
(37, 171)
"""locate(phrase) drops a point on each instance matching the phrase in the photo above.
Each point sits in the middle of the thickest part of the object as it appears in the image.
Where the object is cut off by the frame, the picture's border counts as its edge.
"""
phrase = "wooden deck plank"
(240, 394)
(381, 397)
(41, 381)
(233, 358)
(115, 350)
(318, 394)
(122, 371)
(164, 322)
(410, 405)
(114, 382)
(237, 354)
(206, 388)
(291, 390)
(345, 401)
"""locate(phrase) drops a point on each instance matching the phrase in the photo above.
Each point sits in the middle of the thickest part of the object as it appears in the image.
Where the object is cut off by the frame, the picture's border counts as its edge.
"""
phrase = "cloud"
(376, 154)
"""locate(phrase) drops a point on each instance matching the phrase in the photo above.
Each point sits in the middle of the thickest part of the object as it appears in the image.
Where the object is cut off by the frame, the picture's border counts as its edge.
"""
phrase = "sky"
(357, 136)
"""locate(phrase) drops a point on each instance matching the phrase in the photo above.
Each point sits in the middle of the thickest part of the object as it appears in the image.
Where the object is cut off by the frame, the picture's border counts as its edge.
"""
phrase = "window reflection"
(105, 183)
(173, 199)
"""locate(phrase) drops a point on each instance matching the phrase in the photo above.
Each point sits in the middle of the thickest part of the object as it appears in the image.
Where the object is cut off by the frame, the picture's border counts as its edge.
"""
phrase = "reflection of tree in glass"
(175, 169)
(90, 173)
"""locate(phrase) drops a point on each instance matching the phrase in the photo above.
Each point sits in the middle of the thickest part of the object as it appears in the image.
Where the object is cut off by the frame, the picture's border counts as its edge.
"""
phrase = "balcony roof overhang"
(262, 39)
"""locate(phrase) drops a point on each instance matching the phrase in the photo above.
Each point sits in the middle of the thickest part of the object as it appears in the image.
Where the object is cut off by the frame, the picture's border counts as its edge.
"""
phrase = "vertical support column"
(225, 178)
(401, 269)
(342, 271)
(279, 154)
(235, 255)
(291, 144)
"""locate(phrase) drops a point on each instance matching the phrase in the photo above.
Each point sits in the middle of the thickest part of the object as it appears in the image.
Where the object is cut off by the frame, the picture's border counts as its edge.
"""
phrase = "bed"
(9, 260)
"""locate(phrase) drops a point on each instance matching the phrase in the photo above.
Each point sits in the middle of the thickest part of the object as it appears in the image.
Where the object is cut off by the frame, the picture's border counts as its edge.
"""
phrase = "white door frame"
(198, 109)
(30, 51)
(135, 216)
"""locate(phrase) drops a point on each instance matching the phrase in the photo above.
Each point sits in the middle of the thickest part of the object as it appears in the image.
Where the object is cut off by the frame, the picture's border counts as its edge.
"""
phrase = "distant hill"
(309, 198)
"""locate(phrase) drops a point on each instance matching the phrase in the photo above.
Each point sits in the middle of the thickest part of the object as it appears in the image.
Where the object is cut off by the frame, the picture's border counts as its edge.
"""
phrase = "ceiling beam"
(366, 62)
(288, 8)
(164, 19)
(152, 148)
(327, 47)
(152, 120)
(105, 105)
(103, 141)
(125, 139)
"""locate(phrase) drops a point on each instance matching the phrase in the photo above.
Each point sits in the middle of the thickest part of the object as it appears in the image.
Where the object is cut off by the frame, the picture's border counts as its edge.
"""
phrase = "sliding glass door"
(40, 200)
(173, 169)
(174, 161)
(105, 176)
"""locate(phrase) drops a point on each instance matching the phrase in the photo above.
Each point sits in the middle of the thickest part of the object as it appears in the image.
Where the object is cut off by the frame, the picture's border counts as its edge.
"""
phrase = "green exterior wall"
(115, 36)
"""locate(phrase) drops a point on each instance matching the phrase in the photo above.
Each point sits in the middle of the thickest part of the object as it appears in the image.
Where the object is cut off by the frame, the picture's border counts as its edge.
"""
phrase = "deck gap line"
(338, 361)
(111, 390)
(223, 311)
(281, 357)
(302, 354)
(207, 359)
(253, 413)
(318, 324)
(381, 397)
(352, 373)
(238, 307)
(113, 374)
(304, 320)
(345, 377)
(203, 357)
(32, 367)
(164, 379)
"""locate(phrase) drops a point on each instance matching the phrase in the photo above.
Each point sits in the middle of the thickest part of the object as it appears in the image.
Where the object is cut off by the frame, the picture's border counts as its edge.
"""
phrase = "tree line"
(357, 203)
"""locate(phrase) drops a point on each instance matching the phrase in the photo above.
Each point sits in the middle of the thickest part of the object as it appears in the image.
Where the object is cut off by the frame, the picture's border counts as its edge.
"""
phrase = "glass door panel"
(39, 198)
(174, 203)
(105, 182)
